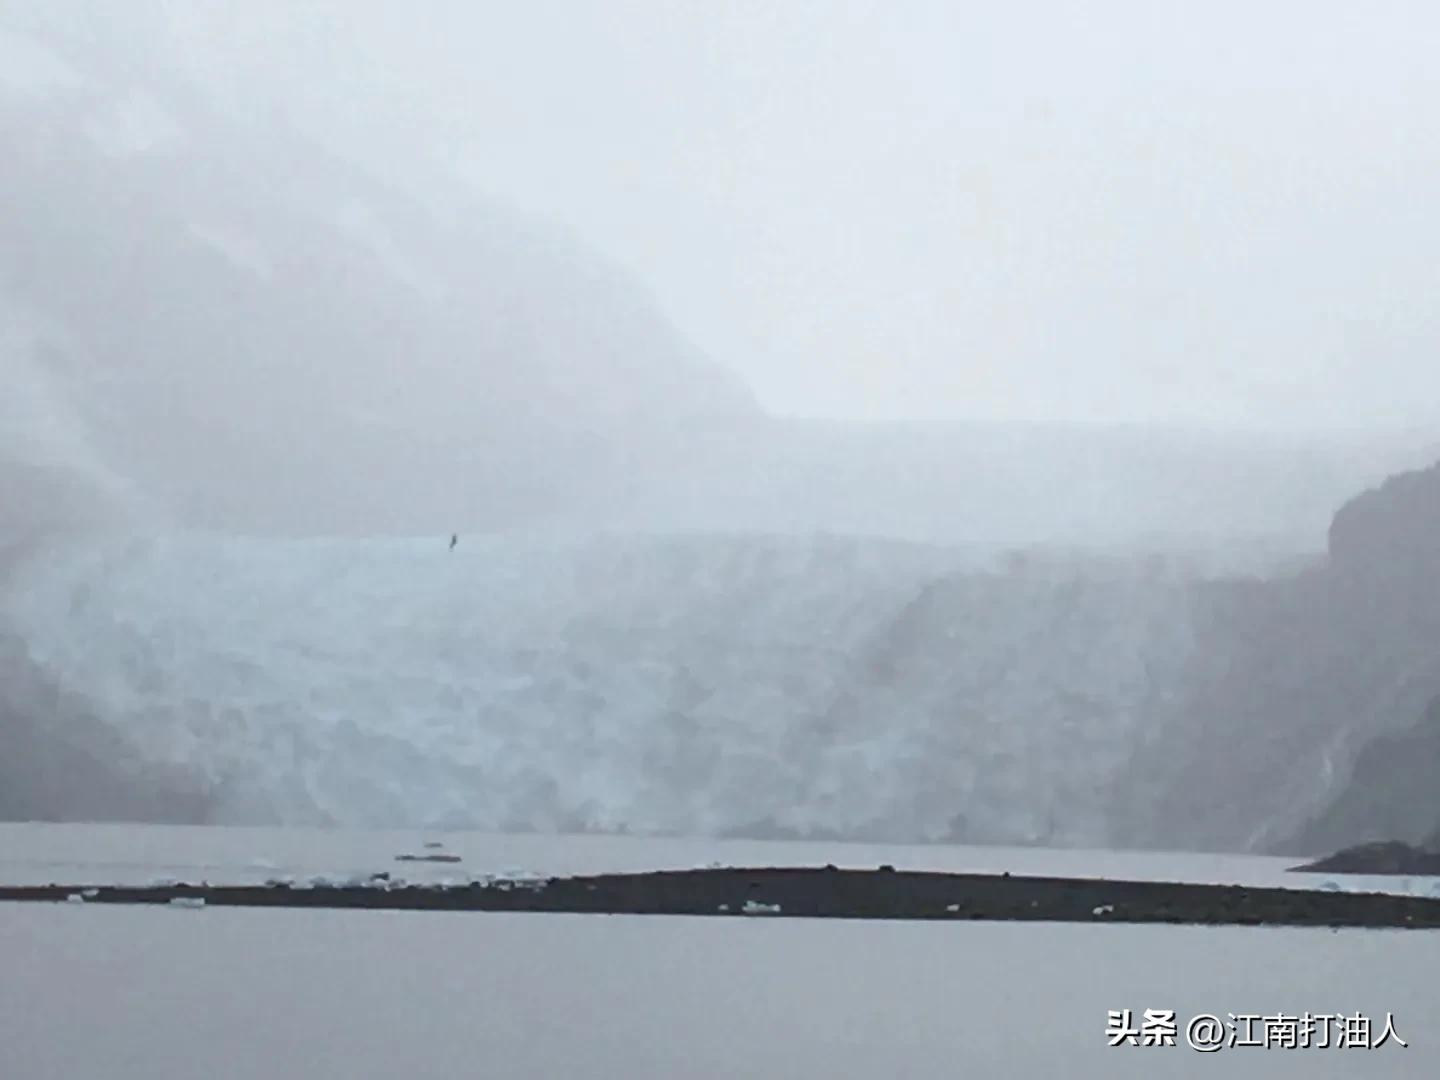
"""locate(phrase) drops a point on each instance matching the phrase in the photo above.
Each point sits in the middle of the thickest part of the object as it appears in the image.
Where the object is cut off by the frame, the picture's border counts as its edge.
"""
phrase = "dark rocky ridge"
(1383, 857)
(815, 893)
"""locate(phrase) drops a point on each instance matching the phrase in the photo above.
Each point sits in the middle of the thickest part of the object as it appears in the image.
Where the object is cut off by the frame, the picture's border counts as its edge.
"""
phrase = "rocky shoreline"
(805, 893)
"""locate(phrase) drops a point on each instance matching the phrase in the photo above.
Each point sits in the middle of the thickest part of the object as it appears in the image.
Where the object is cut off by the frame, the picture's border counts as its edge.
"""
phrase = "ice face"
(698, 685)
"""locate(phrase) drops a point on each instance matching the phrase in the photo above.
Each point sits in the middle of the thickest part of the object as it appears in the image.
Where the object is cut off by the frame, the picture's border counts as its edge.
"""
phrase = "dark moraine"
(816, 893)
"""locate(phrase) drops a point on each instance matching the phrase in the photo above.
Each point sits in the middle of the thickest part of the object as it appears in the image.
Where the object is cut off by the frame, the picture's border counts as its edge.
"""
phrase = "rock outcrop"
(1382, 857)
(1289, 730)
(1393, 793)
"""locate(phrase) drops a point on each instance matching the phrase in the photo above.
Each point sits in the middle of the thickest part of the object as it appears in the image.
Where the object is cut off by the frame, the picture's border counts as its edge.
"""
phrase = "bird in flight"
(454, 539)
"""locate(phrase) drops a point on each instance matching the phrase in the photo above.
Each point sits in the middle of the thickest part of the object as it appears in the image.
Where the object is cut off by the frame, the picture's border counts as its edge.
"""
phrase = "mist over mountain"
(670, 610)
(244, 330)
(259, 336)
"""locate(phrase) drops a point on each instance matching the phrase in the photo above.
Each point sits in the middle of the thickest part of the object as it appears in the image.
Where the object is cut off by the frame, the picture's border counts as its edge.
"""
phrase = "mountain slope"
(259, 335)
(1291, 680)
(263, 336)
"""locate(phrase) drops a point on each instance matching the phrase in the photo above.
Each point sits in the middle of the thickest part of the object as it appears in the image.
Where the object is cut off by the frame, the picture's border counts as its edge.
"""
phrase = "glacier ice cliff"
(734, 683)
(760, 685)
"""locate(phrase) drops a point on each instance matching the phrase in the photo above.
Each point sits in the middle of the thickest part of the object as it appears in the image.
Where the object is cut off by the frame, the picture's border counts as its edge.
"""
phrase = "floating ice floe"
(508, 879)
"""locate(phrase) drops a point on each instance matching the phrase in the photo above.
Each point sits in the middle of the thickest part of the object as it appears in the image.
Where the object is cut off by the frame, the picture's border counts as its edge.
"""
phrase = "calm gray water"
(168, 994)
(159, 994)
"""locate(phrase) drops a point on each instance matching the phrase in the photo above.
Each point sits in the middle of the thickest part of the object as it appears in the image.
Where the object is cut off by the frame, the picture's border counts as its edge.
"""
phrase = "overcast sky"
(1212, 213)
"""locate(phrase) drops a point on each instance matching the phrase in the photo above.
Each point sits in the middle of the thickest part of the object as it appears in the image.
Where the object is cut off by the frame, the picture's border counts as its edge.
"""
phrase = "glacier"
(819, 686)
